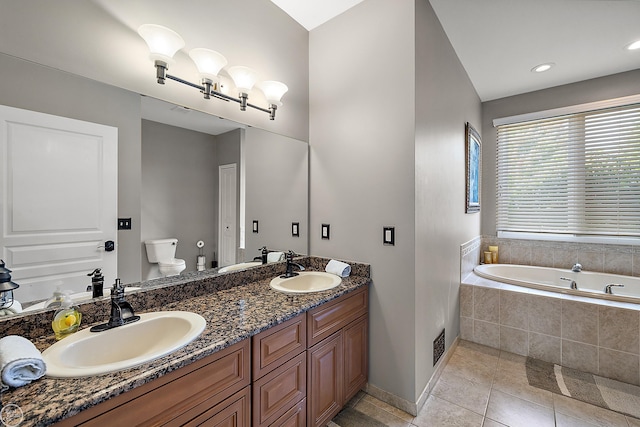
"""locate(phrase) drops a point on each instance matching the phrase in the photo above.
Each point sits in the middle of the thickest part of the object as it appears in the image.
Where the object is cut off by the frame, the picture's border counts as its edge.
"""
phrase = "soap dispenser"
(97, 282)
(66, 319)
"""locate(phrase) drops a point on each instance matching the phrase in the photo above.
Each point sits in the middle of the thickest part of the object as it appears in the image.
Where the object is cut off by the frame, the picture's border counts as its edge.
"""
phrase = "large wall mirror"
(182, 154)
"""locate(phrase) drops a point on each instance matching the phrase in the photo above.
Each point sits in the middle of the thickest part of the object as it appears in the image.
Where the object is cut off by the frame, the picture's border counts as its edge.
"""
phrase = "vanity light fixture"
(634, 46)
(542, 67)
(164, 43)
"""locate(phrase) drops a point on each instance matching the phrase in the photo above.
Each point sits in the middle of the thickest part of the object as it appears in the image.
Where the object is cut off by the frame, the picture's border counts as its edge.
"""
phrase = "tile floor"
(485, 387)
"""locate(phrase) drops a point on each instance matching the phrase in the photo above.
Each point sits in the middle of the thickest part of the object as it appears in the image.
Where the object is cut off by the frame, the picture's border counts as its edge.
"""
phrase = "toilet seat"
(172, 267)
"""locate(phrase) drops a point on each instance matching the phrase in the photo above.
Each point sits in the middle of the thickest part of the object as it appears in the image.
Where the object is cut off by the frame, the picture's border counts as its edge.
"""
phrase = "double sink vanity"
(265, 357)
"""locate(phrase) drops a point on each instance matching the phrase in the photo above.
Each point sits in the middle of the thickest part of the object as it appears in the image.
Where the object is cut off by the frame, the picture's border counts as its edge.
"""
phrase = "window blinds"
(576, 174)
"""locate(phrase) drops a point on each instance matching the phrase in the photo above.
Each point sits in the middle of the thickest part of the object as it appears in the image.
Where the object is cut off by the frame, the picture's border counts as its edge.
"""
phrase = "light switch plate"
(389, 236)
(295, 229)
(326, 231)
(255, 226)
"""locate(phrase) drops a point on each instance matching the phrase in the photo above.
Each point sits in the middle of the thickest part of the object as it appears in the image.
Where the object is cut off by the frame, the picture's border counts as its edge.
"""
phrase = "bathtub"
(589, 284)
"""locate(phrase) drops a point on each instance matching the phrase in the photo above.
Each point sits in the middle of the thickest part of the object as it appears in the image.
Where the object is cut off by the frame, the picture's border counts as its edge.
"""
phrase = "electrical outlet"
(124, 223)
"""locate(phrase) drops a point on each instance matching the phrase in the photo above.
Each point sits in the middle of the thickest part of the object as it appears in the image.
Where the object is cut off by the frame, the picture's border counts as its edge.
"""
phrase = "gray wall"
(276, 185)
(179, 190)
(34, 87)
(384, 157)
(445, 100)
(609, 87)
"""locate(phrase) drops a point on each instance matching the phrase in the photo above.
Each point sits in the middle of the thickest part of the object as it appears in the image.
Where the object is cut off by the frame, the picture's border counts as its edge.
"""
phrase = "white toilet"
(162, 252)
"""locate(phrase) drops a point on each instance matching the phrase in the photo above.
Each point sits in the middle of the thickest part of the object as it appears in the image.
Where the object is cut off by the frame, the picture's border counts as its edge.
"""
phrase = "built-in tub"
(589, 284)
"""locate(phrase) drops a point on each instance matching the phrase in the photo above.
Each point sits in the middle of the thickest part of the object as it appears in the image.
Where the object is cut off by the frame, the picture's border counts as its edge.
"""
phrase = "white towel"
(338, 268)
(275, 256)
(20, 361)
(16, 308)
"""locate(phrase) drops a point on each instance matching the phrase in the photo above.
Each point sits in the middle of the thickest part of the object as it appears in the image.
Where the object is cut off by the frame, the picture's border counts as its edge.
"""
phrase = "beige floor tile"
(474, 362)
(563, 420)
(516, 412)
(355, 399)
(386, 407)
(440, 413)
(633, 422)
(589, 413)
(515, 385)
(380, 414)
(490, 423)
(463, 392)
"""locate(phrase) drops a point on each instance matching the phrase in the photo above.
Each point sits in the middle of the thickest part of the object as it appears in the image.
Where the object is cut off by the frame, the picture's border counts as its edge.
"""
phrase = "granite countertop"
(49, 400)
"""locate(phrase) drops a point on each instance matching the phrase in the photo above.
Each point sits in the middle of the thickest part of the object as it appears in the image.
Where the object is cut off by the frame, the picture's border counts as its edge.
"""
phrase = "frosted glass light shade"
(273, 91)
(209, 62)
(163, 42)
(243, 78)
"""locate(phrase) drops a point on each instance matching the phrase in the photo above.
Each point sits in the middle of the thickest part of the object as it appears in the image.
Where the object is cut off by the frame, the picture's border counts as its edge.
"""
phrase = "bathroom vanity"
(264, 359)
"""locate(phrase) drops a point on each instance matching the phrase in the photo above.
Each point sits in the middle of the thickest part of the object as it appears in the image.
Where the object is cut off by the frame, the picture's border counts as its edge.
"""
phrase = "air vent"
(438, 348)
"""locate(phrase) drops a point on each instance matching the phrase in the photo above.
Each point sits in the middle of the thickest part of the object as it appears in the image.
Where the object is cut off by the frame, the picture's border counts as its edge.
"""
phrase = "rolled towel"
(338, 268)
(275, 256)
(15, 308)
(20, 361)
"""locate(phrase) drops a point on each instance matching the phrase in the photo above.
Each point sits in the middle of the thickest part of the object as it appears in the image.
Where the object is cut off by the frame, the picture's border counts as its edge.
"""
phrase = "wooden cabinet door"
(356, 360)
(324, 379)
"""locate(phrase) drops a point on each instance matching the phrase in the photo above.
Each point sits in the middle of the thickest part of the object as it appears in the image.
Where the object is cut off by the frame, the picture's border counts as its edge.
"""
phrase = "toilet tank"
(161, 249)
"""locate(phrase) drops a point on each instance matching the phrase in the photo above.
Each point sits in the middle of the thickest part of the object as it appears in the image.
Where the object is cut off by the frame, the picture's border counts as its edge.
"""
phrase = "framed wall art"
(473, 168)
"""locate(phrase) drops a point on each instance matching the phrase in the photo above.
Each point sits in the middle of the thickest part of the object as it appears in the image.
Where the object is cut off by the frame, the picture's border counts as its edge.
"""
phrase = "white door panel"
(227, 214)
(59, 200)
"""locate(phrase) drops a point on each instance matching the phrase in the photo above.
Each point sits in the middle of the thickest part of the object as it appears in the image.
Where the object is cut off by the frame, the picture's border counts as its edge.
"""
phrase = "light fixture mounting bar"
(161, 75)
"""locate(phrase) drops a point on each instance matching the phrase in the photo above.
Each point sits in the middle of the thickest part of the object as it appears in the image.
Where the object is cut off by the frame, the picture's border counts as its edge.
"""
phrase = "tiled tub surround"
(601, 258)
(215, 296)
(596, 336)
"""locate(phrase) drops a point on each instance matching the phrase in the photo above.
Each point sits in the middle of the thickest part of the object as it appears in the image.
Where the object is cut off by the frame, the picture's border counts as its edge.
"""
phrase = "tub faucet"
(121, 311)
(290, 264)
(577, 268)
(607, 289)
(573, 284)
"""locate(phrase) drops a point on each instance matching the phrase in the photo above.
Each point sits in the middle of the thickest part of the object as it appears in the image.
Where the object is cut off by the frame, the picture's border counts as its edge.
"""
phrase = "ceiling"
(500, 41)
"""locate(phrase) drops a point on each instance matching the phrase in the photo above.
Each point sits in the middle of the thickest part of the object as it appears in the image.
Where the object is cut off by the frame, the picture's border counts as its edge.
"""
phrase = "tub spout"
(607, 289)
(577, 268)
(573, 284)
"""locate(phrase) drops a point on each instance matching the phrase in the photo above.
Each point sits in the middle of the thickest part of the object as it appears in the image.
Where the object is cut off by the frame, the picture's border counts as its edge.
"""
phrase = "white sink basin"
(241, 266)
(306, 282)
(81, 296)
(156, 334)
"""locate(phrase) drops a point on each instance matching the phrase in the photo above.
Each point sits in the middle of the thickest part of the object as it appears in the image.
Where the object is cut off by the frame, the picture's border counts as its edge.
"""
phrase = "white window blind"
(576, 174)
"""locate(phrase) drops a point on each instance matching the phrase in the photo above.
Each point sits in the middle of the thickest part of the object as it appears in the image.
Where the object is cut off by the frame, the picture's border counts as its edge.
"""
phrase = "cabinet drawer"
(330, 317)
(273, 347)
(235, 411)
(294, 417)
(177, 397)
(276, 392)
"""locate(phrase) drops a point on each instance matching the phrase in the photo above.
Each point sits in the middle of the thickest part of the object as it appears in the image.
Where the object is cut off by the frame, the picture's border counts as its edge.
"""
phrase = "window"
(572, 175)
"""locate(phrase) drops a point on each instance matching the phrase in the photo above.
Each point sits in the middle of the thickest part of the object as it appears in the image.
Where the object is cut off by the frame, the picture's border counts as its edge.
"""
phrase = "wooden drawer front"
(184, 398)
(235, 411)
(328, 318)
(294, 417)
(276, 345)
(276, 392)
(356, 360)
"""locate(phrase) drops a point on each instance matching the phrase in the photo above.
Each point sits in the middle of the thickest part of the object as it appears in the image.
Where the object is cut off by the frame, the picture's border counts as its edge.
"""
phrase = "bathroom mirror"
(182, 151)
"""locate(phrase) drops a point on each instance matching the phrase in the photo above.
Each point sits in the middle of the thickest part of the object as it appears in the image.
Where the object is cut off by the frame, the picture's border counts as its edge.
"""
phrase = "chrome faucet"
(573, 284)
(577, 268)
(121, 311)
(607, 289)
(290, 264)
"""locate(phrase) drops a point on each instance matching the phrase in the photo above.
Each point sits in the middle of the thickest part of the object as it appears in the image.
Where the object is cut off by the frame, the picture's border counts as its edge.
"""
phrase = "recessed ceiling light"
(634, 46)
(542, 67)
